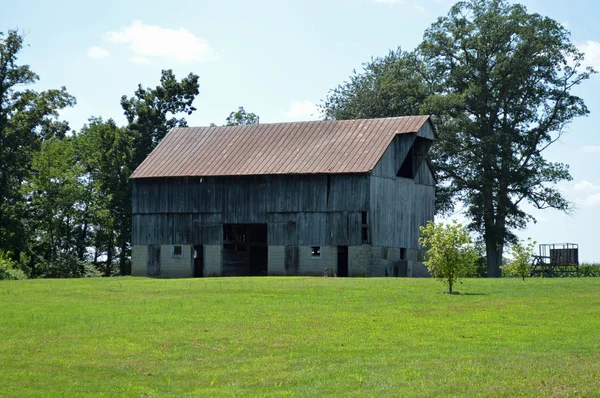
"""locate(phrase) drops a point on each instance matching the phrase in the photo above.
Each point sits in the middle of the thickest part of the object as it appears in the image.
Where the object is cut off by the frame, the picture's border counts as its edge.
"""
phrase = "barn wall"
(139, 259)
(276, 260)
(398, 207)
(176, 266)
(213, 265)
(299, 210)
(315, 266)
(359, 260)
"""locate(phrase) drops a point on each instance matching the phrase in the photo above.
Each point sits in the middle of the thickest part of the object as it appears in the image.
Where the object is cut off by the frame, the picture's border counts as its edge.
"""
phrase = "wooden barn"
(285, 199)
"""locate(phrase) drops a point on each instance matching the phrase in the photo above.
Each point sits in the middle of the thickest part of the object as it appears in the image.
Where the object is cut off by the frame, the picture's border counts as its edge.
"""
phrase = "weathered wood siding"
(299, 210)
(399, 206)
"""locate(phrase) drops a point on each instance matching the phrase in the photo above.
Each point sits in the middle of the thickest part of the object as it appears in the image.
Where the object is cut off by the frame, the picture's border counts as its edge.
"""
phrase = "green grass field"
(299, 336)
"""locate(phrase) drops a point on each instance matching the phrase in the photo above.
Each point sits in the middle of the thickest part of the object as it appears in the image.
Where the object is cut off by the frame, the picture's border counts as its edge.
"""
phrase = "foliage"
(393, 85)
(67, 265)
(589, 270)
(27, 118)
(498, 82)
(521, 258)
(241, 118)
(253, 338)
(106, 151)
(451, 255)
(55, 200)
(9, 269)
(151, 113)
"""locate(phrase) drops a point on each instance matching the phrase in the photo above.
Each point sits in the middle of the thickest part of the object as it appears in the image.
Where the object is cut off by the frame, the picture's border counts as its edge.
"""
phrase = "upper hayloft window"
(407, 169)
(414, 158)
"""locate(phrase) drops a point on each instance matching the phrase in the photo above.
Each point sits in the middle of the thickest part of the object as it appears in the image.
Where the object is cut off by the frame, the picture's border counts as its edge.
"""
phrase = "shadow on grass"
(474, 294)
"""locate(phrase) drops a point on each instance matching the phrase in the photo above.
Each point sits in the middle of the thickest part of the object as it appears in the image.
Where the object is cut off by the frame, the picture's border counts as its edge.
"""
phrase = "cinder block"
(139, 260)
(172, 266)
(213, 264)
(276, 260)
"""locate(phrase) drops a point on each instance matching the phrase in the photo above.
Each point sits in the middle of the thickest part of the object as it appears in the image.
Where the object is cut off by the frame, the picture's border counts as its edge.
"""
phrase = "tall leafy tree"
(152, 112)
(241, 118)
(394, 85)
(106, 152)
(55, 202)
(499, 82)
(510, 75)
(27, 118)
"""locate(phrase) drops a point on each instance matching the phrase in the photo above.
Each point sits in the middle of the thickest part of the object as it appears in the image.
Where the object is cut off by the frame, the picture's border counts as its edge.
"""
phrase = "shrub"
(520, 264)
(67, 265)
(9, 269)
(451, 254)
(589, 270)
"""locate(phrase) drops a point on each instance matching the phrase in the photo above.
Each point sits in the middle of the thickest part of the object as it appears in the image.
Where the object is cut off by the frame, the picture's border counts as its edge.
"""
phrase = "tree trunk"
(123, 258)
(494, 251)
(109, 258)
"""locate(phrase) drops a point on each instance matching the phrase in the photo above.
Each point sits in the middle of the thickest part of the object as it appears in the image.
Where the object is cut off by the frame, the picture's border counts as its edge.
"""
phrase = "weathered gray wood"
(291, 260)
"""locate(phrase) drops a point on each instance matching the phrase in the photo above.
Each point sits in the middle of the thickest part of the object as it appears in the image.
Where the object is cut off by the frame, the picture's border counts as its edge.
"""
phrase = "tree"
(55, 201)
(106, 151)
(151, 113)
(387, 87)
(521, 259)
(241, 118)
(27, 118)
(498, 82)
(451, 255)
(511, 74)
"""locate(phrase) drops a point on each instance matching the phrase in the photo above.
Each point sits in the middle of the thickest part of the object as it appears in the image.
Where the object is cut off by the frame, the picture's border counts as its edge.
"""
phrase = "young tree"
(499, 83)
(522, 255)
(241, 118)
(451, 254)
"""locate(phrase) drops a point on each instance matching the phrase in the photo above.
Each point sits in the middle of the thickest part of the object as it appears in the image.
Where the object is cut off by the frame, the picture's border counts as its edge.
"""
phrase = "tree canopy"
(241, 118)
(498, 81)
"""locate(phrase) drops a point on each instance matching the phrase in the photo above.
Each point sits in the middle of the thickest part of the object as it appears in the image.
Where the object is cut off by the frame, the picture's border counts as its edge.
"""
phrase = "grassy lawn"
(299, 336)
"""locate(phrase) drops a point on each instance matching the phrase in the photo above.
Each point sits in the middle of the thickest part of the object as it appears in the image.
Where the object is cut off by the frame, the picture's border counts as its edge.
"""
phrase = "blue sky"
(279, 59)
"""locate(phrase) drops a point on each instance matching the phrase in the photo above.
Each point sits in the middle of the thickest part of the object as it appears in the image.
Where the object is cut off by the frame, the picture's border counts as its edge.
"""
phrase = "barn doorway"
(245, 250)
(342, 261)
(198, 261)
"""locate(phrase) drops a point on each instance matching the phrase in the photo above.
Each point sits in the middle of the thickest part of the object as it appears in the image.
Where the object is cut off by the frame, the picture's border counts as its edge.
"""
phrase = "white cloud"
(591, 49)
(586, 186)
(590, 200)
(139, 60)
(303, 110)
(591, 149)
(152, 41)
(98, 52)
(390, 1)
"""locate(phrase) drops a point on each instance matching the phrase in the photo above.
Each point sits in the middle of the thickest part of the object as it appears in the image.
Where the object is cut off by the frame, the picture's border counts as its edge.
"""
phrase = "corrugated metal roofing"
(319, 147)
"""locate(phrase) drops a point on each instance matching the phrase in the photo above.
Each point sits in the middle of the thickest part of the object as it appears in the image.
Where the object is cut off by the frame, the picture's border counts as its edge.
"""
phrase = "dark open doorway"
(342, 261)
(198, 261)
(245, 250)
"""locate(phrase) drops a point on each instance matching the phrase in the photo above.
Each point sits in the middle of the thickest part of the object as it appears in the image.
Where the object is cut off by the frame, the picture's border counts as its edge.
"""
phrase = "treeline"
(65, 196)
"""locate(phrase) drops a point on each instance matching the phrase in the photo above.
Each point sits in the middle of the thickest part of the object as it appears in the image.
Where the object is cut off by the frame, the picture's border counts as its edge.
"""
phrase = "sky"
(279, 59)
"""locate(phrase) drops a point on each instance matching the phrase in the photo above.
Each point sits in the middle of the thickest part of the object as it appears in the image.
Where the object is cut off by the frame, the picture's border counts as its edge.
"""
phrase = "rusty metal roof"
(318, 147)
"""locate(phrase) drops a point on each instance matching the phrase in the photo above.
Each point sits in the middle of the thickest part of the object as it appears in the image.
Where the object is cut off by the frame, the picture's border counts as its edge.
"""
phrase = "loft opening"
(414, 158)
